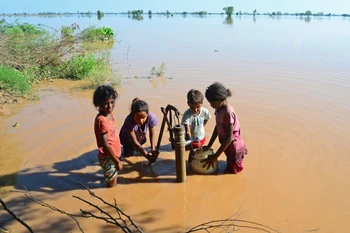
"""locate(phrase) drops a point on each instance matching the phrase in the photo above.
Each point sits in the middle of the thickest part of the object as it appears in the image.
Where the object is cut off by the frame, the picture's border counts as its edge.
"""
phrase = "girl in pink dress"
(227, 128)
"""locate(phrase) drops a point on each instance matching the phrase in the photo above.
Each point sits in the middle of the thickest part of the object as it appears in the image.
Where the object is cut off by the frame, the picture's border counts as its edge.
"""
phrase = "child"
(133, 132)
(194, 119)
(107, 138)
(227, 128)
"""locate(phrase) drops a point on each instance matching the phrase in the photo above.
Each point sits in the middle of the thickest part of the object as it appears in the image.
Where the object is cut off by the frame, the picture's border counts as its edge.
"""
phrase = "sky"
(213, 6)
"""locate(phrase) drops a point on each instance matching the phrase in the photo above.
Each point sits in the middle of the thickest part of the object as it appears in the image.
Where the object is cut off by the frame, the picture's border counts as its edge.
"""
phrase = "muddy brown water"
(294, 113)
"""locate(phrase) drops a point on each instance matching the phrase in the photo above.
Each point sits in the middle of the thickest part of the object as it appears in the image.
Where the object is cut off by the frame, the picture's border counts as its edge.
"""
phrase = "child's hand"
(209, 162)
(152, 156)
(119, 166)
(155, 153)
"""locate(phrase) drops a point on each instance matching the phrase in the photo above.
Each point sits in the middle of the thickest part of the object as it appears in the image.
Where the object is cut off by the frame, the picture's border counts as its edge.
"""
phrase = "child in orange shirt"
(107, 137)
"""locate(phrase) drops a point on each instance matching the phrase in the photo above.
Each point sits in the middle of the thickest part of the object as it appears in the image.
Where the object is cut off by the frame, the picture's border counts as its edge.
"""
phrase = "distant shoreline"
(200, 13)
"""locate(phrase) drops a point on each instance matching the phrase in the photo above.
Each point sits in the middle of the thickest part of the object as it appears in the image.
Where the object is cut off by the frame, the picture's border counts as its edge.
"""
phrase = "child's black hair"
(102, 93)
(217, 92)
(138, 105)
(195, 97)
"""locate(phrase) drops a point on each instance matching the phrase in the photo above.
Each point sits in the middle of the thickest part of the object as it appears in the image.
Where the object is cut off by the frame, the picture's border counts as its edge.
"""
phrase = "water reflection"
(228, 20)
(307, 19)
(137, 17)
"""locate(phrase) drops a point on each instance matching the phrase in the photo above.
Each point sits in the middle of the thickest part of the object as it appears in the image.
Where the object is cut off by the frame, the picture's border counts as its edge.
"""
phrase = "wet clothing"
(104, 125)
(109, 168)
(197, 144)
(237, 149)
(140, 132)
(196, 122)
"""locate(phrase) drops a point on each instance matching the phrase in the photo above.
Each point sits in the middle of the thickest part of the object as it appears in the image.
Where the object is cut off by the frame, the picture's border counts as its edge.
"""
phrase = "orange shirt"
(104, 125)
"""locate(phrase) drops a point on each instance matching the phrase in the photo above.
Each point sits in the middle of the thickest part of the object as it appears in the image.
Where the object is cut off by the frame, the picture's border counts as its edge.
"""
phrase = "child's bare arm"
(136, 143)
(187, 131)
(211, 160)
(151, 138)
(213, 137)
(108, 149)
(205, 122)
(225, 143)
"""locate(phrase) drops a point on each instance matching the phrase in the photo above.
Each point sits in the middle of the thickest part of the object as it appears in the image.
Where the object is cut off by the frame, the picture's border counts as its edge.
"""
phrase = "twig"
(231, 223)
(120, 221)
(15, 216)
(36, 200)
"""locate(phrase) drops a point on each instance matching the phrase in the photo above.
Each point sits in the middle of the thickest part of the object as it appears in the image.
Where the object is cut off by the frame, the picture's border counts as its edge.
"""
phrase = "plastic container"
(197, 165)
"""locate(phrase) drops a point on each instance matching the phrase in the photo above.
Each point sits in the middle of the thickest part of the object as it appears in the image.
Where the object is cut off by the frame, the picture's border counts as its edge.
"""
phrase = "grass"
(13, 81)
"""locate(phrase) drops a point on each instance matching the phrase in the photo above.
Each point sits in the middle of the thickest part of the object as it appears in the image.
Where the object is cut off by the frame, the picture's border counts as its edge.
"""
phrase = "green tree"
(137, 13)
(228, 10)
(308, 13)
(99, 14)
(149, 12)
(254, 12)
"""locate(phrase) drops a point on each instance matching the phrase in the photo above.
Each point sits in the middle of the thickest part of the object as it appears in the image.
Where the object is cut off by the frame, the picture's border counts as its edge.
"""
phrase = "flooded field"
(290, 83)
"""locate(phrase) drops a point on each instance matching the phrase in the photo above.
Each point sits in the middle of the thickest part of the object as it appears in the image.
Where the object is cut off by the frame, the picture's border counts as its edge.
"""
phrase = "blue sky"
(262, 6)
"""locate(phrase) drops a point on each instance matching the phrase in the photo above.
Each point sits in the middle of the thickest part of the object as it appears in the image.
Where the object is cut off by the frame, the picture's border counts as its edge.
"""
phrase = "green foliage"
(69, 31)
(157, 72)
(104, 75)
(80, 66)
(66, 31)
(228, 10)
(308, 13)
(13, 81)
(97, 34)
(33, 54)
(100, 15)
(137, 12)
(20, 28)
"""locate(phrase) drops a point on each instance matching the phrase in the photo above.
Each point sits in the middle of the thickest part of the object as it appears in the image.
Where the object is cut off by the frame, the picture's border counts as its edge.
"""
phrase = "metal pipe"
(179, 132)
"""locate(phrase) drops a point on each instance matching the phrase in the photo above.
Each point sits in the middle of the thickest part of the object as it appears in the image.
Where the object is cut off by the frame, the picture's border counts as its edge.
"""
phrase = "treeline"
(168, 13)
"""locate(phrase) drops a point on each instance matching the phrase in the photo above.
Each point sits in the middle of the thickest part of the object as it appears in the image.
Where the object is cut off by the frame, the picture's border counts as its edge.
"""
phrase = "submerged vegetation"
(157, 72)
(31, 53)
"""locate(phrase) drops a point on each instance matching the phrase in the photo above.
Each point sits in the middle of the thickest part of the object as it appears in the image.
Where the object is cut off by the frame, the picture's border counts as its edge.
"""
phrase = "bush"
(81, 66)
(13, 81)
(32, 53)
(97, 34)
(20, 28)
(68, 31)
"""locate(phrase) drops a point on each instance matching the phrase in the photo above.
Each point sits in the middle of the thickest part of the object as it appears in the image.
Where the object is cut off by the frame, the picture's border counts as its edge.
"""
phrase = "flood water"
(290, 82)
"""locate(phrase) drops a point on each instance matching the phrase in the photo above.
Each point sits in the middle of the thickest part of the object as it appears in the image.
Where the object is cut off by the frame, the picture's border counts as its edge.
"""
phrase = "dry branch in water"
(15, 216)
(123, 221)
(127, 225)
(230, 225)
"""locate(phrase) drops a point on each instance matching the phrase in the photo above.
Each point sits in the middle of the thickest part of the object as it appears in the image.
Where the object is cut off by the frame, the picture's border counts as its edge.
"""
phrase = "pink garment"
(237, 149)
